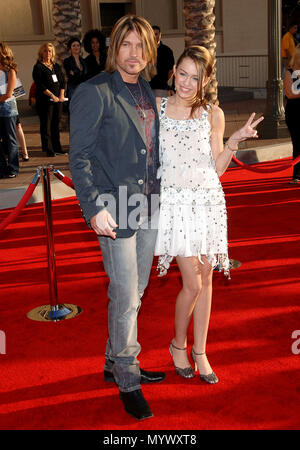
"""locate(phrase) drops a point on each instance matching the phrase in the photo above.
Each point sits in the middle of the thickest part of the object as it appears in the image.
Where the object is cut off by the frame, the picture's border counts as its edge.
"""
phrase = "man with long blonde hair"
(114, 160)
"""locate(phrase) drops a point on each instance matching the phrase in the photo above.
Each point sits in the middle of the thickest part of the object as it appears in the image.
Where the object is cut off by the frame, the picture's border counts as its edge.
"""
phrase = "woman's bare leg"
(21, 140)
(185, 302)
(201, 316)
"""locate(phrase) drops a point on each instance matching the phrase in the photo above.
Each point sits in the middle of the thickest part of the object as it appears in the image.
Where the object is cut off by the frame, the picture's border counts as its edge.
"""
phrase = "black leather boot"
(135, 404)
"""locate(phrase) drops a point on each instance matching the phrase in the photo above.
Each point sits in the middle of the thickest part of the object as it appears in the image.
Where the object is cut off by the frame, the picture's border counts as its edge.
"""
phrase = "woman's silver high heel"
(211, 378)
(187, 372)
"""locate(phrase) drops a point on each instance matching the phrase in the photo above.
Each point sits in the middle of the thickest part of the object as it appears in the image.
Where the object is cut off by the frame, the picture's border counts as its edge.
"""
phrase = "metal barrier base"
(48, 313)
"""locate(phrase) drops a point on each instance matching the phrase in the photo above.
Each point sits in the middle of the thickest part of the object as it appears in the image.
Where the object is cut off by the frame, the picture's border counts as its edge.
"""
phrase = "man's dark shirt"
(165, 63)
(142, 99)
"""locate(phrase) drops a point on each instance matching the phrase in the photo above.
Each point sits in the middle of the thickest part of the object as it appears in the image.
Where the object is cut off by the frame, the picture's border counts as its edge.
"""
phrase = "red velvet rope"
(63, 178)
(69, 182)
(14, 214)
(262, 170)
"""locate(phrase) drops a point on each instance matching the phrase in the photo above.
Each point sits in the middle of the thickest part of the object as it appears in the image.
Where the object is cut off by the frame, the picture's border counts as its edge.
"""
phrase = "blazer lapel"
(125, 100)
(122, 94)
(153, 102)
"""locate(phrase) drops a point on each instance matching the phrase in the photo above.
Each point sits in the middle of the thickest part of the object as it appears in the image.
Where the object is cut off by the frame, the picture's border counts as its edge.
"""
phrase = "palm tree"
(66, 24)
(66, 16)
(200, 30)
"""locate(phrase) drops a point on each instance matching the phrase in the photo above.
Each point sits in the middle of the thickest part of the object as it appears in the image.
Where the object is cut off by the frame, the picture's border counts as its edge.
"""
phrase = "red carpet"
(52, 373)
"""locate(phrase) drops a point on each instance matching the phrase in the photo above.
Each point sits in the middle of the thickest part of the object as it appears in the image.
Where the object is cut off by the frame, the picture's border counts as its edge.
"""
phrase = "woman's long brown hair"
(7, 57)
(204, 64)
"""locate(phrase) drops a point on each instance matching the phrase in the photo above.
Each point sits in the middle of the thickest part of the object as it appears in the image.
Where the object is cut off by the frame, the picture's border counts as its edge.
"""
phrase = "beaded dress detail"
(193, 217)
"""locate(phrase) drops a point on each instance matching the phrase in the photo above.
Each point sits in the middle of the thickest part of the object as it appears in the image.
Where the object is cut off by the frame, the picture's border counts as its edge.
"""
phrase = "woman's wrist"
(233, 147)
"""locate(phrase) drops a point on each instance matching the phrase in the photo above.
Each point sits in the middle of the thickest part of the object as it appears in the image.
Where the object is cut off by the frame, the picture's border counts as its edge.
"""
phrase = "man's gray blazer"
(107, 144)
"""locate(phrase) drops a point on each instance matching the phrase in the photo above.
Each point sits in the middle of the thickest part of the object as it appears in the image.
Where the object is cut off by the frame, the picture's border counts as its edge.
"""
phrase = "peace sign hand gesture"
(248, 131)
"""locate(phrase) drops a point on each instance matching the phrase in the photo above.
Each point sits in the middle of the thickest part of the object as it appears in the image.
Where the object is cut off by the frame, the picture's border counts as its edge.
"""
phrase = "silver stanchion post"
(55, 311)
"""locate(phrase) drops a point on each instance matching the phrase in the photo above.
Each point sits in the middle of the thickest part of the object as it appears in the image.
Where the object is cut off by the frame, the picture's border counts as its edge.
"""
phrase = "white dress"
(193, 217)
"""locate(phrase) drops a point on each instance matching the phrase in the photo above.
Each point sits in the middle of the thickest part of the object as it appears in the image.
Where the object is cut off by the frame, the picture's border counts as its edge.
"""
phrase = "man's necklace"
(140, 108)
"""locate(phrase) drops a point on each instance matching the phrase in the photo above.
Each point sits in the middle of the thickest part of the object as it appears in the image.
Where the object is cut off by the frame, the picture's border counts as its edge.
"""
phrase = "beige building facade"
(241, 32)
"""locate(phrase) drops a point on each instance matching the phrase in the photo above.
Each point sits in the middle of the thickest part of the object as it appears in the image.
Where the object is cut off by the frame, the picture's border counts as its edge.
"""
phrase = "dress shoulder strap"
(207, 114)
(163, 105)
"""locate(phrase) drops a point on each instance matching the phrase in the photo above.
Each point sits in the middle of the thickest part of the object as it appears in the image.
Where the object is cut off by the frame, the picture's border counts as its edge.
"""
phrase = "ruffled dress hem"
(219, 261)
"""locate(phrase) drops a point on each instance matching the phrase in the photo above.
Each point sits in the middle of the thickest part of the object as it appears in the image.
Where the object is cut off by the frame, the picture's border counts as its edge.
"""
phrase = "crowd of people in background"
(50, 94)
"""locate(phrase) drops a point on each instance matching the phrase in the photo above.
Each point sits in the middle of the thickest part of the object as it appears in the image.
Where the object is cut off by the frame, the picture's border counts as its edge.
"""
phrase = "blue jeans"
(9, 145)
(127, 262)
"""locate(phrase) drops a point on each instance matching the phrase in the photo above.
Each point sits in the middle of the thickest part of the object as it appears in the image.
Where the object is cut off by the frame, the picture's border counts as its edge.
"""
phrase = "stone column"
(274, 125)
(66, 15)
(66, 24)
(200, 30)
